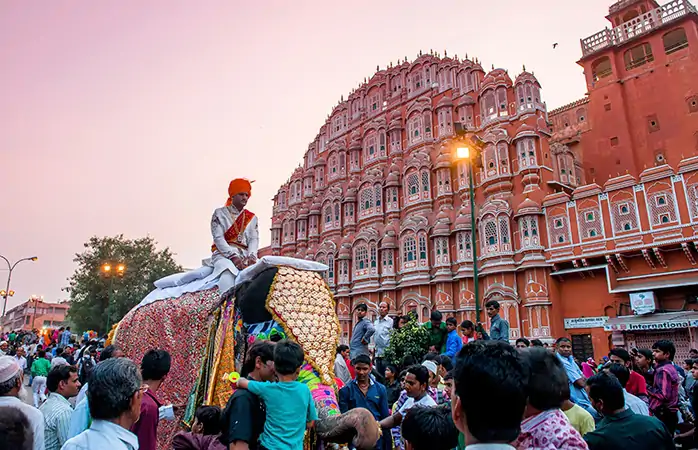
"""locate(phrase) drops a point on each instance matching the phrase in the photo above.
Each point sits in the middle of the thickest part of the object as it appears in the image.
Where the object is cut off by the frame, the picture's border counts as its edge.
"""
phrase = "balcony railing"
(637, 26)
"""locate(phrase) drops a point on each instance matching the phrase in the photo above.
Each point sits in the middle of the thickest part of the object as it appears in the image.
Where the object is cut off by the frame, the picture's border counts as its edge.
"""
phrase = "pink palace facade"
(561, 236)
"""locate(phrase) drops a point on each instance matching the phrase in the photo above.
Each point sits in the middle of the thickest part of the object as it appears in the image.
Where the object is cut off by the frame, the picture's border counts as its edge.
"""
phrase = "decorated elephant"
(208, 334)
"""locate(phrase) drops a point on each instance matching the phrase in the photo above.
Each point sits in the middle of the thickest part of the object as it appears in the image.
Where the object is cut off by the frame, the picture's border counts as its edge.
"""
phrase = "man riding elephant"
(209, 317)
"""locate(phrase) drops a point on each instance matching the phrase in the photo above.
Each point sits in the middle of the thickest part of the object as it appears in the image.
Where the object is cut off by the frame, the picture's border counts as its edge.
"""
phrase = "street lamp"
(467, 150)
(111, 271)
(7, 292)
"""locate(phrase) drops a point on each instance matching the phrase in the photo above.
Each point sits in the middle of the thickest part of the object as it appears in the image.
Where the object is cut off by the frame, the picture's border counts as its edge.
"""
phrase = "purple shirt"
(147, 426)
(664, 394)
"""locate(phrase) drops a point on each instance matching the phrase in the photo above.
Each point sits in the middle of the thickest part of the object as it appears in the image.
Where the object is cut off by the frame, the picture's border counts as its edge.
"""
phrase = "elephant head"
(208, 335)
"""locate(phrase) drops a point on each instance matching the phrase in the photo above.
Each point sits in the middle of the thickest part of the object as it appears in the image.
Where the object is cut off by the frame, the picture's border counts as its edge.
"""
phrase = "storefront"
(589, 340)
(643, 331)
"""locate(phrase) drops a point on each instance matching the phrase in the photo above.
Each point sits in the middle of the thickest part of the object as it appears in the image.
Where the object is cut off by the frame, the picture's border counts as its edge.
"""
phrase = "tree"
(89, 287)
(412, 339)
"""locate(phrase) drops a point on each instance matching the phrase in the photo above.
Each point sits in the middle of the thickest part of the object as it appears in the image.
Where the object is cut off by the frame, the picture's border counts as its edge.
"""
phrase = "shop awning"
(659, 321)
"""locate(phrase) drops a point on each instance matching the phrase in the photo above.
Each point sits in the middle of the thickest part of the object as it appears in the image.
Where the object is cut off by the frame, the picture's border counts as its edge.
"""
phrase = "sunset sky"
(132, 116)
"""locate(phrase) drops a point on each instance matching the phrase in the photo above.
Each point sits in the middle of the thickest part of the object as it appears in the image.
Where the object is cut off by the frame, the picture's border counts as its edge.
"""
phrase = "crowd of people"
(470, 389)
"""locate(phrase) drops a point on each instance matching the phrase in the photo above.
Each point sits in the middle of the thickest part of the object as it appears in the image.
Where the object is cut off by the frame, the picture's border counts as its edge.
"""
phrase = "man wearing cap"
(11, 378)
(235, 235)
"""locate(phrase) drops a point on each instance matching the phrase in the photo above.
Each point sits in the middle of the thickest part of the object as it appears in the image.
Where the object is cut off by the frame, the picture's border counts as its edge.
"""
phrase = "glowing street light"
(111, 271)
(7, 292)
(467, 150)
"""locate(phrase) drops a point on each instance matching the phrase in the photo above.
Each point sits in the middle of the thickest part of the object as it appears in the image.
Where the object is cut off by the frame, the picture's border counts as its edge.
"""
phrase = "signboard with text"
(585, 322)
(648, 326)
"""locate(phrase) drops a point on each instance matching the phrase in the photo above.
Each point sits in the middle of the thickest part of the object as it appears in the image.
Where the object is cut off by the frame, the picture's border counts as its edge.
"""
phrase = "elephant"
(208, 333)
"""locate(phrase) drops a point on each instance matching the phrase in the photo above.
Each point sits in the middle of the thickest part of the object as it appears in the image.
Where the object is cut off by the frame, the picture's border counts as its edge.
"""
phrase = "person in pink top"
(587, 368)
(467, 330)
(545, 426)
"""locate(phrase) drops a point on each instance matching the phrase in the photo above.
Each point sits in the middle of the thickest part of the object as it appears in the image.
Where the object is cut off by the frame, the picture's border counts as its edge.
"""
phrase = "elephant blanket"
(208, 340)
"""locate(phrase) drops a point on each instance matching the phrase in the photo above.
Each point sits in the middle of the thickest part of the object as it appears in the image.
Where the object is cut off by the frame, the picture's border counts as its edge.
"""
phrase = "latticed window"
(330, 270)
(559, 230)
(373, 256)
(409, 250)
(589, 222)
(361, 257)
(491, 233)
(328, 215)
(692, 192)
(366, 201)
(504, 232)
(526, 149)
(422, 247)
(463, 244)
(379, 195)
(336, 212)
(413, 186)
(425, 181)
(662, 207)
(503, 155)
(528, 229)
(623, 214)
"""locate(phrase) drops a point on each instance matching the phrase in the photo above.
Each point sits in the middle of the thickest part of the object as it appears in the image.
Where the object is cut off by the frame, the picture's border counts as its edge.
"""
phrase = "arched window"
(489, 110)
(425, 181)
(378, 197)
(422, 247)
(366, 201)
(674, 41)
(328, 215)
(370, 148)
(409, 250)
(427, 123)
(381, 143)
(373, 258)
(503, 157)
(334, 167)
(638, 56)
(412, 186)
(491, 233)
(504, 232)
(414, 127)
(330, 271)
(336, 212)
(601, 68)
(502, 100)
(360, 258)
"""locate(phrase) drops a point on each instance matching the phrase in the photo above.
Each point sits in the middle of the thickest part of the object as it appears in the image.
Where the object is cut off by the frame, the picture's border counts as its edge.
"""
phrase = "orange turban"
(238, 186)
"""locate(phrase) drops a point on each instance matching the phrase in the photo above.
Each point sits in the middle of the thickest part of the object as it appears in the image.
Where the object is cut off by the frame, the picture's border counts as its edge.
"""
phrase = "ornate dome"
(528, 206)
(463, 220)
(526, 76)
(389, 239)
(496, 77)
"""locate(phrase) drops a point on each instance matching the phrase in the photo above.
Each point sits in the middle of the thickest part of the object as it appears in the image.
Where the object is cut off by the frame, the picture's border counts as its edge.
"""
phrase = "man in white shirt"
(416, 384)
(632, 402)
(62, 383)
(114, 397)
(489, 394)
(11, 383)
(383, 324)
(21, 360)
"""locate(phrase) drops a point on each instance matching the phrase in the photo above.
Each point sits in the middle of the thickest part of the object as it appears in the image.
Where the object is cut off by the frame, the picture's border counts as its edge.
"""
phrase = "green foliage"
(411, 339)
(89, 288)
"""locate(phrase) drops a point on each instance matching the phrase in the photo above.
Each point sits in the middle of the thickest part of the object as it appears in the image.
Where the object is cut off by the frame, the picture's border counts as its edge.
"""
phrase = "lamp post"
(110, 271)
(468, 151)
(7, 292)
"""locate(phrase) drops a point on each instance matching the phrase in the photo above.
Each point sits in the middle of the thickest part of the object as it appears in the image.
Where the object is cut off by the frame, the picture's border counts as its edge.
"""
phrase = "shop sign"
(643, 302)
(585, 322)
(649, 326)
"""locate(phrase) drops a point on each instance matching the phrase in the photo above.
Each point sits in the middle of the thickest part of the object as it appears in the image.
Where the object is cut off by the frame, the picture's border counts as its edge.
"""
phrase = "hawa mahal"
(586, 215)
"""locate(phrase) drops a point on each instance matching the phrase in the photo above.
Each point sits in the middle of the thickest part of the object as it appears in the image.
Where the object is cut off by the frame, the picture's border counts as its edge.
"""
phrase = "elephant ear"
(301, 302)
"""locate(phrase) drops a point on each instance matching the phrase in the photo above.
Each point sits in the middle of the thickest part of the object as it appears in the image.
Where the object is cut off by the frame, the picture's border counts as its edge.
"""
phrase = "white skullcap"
(431, 366)
(8, 368)
(4, 342)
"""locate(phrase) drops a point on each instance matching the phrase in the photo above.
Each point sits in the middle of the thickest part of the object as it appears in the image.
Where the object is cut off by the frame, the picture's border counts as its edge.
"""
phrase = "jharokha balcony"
(637, 26)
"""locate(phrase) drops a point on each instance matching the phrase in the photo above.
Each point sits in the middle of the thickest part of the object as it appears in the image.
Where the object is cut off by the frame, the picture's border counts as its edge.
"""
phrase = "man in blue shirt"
(364, 392)
(576, 380)
(362, 333)
(453, 342)
(499, 328)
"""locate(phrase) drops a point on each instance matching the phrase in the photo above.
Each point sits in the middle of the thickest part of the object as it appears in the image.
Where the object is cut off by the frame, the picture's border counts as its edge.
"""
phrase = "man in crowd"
(544, 424)
(453, 342)
(244, 416)
(114, 395)
(620, 427)
(154, 368)
(383, 324)
(416, 383)
(4, 348)
(63, 384)
(489, 394)
(636, 382)
(437, 332)
(40, 369)
(361, 336)
(65, 338)
(364, 392)
(631, 402)
(20, 357)
(499, 328)
(664, 393)
(429, 429)
(11, 383)
(576, 380)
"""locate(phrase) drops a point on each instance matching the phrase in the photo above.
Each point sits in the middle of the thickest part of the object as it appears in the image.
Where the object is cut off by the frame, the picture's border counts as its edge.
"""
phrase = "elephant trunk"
(357, 425)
